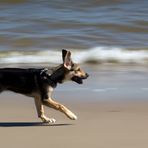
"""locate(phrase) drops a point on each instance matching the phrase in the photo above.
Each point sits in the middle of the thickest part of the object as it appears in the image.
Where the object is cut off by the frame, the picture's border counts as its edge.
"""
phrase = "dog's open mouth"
(78, 80)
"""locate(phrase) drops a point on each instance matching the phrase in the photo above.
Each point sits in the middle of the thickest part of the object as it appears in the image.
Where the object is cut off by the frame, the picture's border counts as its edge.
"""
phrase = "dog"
(40, 83)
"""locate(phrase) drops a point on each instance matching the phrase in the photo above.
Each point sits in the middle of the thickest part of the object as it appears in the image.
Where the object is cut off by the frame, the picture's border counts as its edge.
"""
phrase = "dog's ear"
(64, 52)
(67, 59)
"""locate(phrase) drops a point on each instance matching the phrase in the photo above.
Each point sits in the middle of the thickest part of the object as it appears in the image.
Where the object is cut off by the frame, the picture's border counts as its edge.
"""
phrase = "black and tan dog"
(39, 83)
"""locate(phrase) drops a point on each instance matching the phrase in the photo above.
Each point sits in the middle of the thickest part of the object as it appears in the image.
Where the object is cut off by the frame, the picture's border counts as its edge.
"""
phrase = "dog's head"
(73, 70)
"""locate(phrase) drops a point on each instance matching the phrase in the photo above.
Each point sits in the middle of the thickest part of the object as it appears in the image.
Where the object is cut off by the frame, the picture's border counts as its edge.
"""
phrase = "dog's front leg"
(40, 111)
(50, 103)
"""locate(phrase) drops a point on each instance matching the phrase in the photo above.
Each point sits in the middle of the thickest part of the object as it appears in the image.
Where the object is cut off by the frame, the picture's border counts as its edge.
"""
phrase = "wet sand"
(99, 124)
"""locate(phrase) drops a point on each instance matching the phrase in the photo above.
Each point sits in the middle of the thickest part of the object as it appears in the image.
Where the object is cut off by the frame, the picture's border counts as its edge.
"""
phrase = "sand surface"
(99, 124)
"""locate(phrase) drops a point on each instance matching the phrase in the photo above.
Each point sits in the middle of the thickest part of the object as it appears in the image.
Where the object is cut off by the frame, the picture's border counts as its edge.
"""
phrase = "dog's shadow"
(30, 124)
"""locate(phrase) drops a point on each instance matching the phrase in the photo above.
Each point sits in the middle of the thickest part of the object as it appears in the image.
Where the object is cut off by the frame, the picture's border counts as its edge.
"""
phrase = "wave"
(97, 55)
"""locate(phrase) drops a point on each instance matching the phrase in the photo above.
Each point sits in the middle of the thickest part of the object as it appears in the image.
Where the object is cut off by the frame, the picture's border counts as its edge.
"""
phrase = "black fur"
(29, 81)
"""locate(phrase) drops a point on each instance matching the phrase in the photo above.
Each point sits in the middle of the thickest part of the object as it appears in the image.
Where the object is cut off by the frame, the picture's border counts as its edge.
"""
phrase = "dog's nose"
(87, 75)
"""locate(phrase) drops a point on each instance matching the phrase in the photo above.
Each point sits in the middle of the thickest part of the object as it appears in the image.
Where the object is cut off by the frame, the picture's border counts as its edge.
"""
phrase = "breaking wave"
(97, 55)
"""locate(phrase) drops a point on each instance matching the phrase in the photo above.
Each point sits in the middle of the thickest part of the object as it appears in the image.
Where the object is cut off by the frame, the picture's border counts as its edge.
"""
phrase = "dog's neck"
(58, 74)
(54, 76)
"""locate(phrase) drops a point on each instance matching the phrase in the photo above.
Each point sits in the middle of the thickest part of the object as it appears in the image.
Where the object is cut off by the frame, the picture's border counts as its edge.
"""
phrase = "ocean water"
(96, 31)
(109, 83)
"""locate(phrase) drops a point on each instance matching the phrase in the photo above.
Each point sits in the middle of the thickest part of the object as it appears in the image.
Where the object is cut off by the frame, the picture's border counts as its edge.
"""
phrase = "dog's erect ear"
(67, 59)
(64, 52)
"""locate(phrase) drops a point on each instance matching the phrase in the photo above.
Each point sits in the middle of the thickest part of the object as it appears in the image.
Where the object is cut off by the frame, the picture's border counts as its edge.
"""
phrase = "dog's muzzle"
(79, 80)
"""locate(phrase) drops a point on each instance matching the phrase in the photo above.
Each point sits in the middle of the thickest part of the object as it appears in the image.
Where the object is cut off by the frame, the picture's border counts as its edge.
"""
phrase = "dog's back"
(18, 80)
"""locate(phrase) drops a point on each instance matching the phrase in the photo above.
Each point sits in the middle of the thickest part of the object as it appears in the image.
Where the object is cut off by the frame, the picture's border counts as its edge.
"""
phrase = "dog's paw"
(74, 117)
(71, 115)
(48, 120)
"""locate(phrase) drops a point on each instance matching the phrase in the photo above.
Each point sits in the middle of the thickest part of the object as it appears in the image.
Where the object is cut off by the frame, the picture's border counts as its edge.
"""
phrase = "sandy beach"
(106, 122)
(99, 124)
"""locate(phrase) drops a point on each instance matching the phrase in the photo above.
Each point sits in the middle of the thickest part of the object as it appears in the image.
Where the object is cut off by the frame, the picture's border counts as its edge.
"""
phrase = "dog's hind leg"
(40, 111)
(60, 107)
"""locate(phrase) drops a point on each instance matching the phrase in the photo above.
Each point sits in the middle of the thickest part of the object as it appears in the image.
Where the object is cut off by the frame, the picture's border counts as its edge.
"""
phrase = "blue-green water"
(96, 30)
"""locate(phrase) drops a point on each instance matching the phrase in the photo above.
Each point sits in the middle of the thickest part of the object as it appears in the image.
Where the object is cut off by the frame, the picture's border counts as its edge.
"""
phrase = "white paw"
(51, 120)
(48, 120)
(72, 116)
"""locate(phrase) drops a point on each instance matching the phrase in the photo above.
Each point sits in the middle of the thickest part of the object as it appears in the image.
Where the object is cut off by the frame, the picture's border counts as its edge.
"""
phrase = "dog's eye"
(78, 70)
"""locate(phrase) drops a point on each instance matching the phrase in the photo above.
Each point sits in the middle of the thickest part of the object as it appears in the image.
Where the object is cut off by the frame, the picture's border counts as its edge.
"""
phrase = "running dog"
(39, 83)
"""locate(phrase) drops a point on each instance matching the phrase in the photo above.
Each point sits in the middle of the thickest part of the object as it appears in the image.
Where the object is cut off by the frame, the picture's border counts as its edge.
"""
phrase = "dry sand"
(100, 124)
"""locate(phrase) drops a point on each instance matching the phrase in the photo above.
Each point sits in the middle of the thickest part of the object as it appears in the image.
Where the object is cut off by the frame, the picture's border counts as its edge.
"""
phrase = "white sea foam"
(93, 55)
(112, 54)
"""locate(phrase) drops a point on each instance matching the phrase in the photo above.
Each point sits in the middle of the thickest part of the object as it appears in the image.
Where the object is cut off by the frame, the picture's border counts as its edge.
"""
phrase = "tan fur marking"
(40, 111)
(60, 107)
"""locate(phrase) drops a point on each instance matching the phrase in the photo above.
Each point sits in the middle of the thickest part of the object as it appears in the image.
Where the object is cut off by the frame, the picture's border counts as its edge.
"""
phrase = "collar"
(47, 77)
